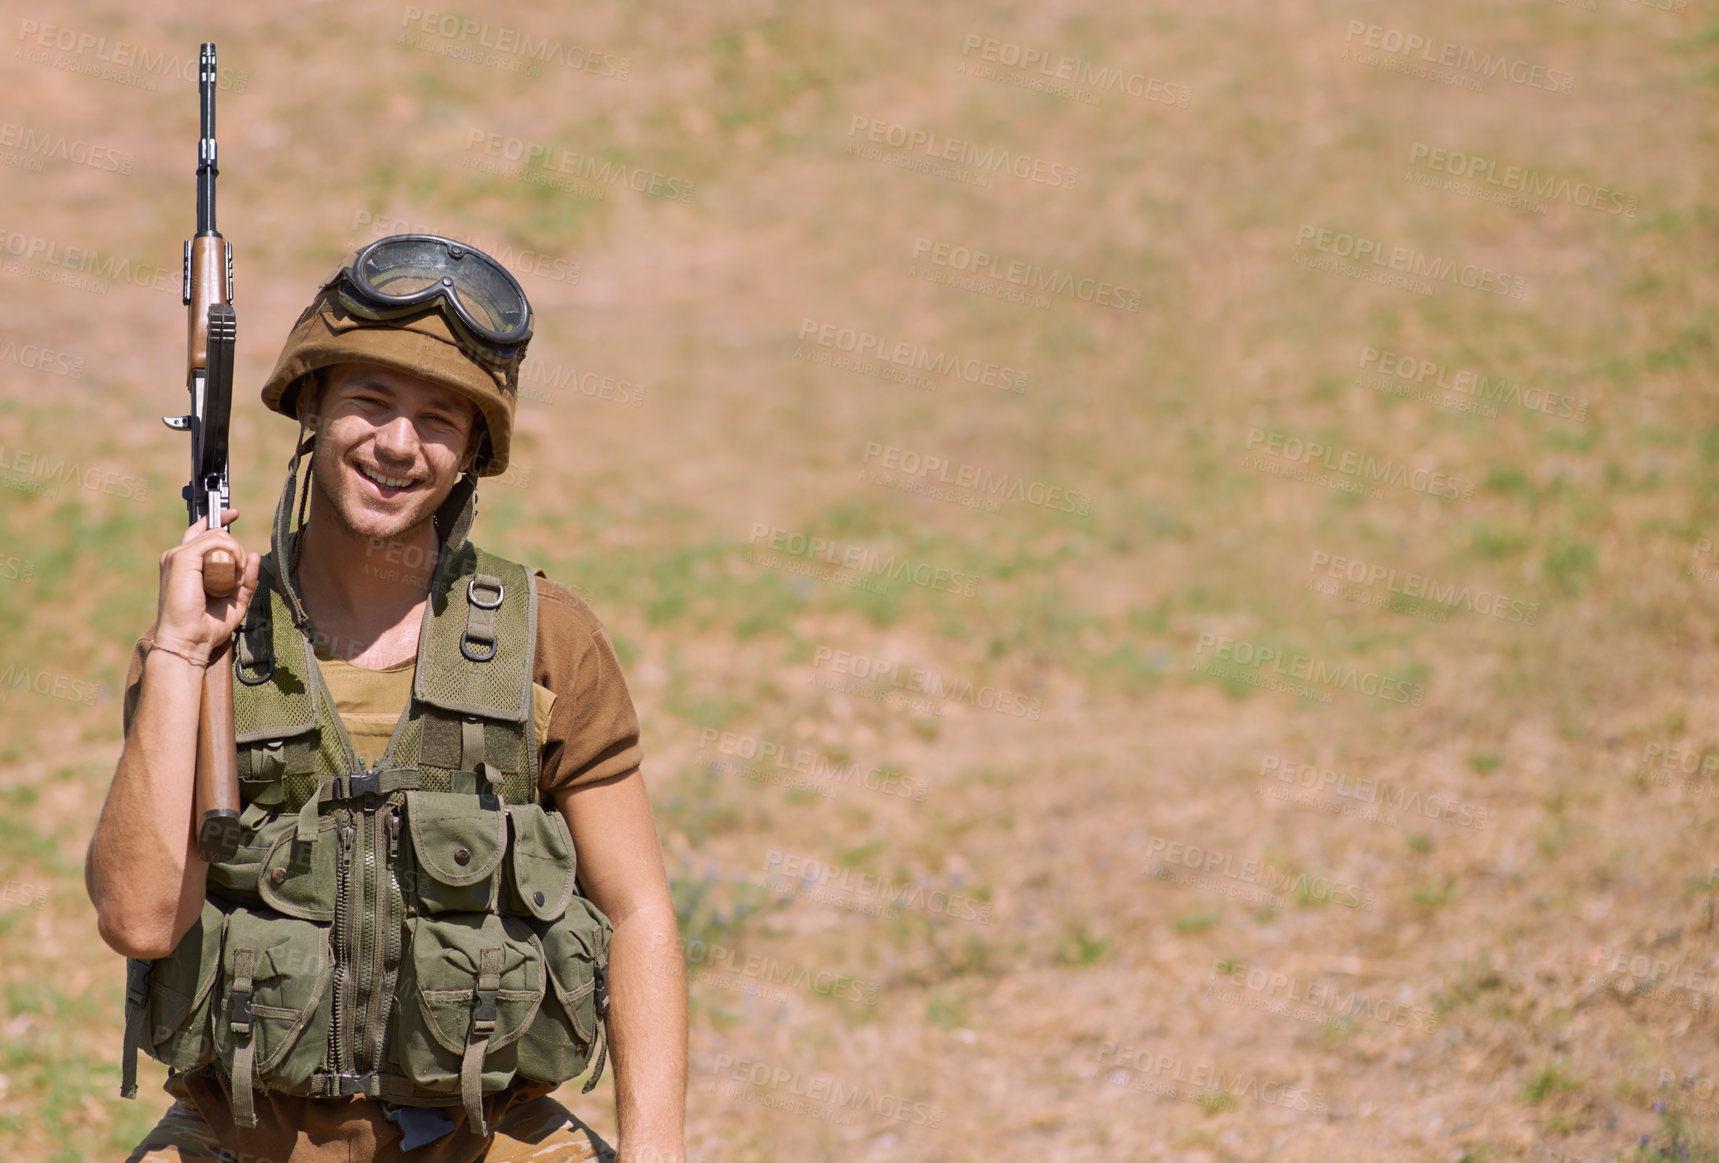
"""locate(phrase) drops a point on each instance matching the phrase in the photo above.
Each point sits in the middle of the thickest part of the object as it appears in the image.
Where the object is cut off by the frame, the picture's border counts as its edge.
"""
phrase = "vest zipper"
(340, 1046)
(391, 900)
(380, 879)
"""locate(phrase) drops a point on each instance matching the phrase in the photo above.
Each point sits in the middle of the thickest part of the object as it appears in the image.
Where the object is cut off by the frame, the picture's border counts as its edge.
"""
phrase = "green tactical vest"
(411, 932)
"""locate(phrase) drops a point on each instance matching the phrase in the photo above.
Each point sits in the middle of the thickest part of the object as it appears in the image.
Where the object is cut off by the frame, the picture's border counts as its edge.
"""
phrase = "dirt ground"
(1165, 553)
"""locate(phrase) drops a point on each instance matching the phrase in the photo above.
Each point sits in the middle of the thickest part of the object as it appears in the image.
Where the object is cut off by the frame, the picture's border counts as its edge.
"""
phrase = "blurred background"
(1165, 553)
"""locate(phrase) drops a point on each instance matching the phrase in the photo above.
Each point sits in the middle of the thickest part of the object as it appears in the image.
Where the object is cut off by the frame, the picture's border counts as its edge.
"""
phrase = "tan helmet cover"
(424, 346)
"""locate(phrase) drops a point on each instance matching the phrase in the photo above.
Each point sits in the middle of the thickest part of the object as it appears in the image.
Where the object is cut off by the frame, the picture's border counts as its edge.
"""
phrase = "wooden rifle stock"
(216, 801)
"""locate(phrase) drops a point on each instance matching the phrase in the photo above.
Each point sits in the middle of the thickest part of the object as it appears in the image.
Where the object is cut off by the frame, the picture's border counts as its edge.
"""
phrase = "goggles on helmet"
(406, 274)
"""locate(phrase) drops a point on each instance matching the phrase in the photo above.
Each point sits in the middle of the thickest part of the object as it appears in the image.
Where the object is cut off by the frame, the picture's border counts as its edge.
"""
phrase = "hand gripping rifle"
(208, 292)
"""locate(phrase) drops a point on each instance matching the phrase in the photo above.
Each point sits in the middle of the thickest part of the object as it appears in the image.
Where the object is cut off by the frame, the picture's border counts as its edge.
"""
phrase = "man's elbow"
(145, 942)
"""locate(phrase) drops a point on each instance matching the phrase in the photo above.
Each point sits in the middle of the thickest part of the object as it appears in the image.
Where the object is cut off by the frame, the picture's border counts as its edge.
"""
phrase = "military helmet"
(424, 305)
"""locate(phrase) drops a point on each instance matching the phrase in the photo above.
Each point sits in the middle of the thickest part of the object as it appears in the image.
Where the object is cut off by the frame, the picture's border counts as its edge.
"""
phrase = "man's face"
(389, 447)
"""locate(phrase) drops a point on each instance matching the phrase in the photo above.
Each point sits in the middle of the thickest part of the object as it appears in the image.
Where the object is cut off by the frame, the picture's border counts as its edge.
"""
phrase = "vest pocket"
(299, 877)
(272, 1023)
(469, 987)
(236, 879)
(540, 863)
(181, 993)
(459, 841)
(559, 1043)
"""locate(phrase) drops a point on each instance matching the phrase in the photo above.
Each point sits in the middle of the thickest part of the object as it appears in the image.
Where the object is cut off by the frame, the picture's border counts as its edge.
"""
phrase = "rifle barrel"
(206, 169)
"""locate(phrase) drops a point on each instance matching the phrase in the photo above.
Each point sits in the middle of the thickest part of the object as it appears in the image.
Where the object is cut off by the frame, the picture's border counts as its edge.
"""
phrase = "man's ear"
(310, 399)
(475, 440)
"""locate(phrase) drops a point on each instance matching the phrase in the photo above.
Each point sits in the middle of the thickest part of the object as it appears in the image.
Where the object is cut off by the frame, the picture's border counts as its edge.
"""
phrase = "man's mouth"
(383, 479)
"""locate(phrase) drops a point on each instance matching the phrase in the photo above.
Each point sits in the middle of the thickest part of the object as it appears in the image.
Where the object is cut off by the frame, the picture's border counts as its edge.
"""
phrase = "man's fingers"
(197, 529)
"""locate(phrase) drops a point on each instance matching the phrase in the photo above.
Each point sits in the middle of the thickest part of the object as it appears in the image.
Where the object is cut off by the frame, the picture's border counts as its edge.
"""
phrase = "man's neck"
(362, 592)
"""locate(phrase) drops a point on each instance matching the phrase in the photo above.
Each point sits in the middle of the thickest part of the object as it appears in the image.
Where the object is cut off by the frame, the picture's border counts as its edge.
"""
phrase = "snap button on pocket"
(538, 897)
(462, 856)
(278, 876)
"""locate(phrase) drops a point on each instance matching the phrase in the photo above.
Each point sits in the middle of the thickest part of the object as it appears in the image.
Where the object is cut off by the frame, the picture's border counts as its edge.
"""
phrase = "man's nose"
(398, 438)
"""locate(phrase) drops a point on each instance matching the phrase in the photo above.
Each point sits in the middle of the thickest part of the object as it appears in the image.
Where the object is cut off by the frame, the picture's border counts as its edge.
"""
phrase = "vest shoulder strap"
(479, 639)
(276, 696)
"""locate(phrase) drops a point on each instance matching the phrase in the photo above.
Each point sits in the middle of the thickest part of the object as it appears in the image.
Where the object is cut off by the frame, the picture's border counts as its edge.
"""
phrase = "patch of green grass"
(1432, 896)
(1696, 885)
(1198, 921)
(1195, 1138)
(1496, 541)
(1547, 1082)
(1485, 762)
(946, 1009)
(1509, 481)
(1675, 1142)
(1568, 563)
(1215, 1102)
(714, 910)
(1083, 947)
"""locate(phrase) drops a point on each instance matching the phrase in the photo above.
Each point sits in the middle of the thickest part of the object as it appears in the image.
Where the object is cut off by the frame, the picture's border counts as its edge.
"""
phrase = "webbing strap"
(350, 787)
(471, 744)
(395, 1088)
(254, 814)
(484, 594)
(244, 1058)
(254, 651)
(602, 1055)
(601, 985)
(477, 1040)
(136, 1009)
(271, 762)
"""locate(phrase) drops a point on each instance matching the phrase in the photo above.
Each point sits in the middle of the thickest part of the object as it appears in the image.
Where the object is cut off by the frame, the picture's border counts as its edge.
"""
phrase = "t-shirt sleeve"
(593, 728)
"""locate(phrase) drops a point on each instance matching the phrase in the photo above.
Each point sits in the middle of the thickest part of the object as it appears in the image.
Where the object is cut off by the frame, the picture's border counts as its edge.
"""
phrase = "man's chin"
(385, 525)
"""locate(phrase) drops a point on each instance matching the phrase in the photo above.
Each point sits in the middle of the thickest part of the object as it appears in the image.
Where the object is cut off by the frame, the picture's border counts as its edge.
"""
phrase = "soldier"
(403, 959)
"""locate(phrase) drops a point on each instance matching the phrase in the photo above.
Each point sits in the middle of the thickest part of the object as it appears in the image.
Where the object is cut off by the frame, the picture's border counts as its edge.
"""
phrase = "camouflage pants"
(199, 1128)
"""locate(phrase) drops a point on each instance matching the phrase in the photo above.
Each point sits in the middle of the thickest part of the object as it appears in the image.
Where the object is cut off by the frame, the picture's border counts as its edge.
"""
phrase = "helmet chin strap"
(452, 521)
(283, 540)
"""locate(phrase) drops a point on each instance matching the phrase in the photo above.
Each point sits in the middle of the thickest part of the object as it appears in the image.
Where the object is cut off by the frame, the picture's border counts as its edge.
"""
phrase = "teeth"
(385, 481)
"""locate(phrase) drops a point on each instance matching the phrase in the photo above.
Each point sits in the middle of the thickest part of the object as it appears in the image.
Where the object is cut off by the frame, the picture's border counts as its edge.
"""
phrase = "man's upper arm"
(593, 728)
(591, 759)
(615, 839)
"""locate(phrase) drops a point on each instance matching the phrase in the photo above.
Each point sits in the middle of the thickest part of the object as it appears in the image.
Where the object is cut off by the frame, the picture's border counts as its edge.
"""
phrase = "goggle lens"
(404, 272)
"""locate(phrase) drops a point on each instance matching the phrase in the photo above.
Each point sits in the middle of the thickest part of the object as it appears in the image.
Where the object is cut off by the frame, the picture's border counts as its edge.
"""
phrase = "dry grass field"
(1168, 554)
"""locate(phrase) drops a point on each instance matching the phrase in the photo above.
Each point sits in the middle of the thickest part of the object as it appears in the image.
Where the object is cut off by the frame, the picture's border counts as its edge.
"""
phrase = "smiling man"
(404, 958)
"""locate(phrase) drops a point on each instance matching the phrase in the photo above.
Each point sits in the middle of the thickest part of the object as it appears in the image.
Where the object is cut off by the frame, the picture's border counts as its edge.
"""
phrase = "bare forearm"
(647, 1025)
(141, 871)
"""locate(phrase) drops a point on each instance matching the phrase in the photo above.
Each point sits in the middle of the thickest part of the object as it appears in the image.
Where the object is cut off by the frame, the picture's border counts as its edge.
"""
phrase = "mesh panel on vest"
(290, 706)
(448, 688)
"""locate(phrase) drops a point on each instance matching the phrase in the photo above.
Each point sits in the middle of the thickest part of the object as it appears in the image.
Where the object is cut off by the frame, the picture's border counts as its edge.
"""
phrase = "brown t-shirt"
(587, 727)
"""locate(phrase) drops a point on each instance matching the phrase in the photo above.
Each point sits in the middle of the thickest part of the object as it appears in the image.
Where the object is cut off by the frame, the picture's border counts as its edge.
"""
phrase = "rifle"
(207, 290)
